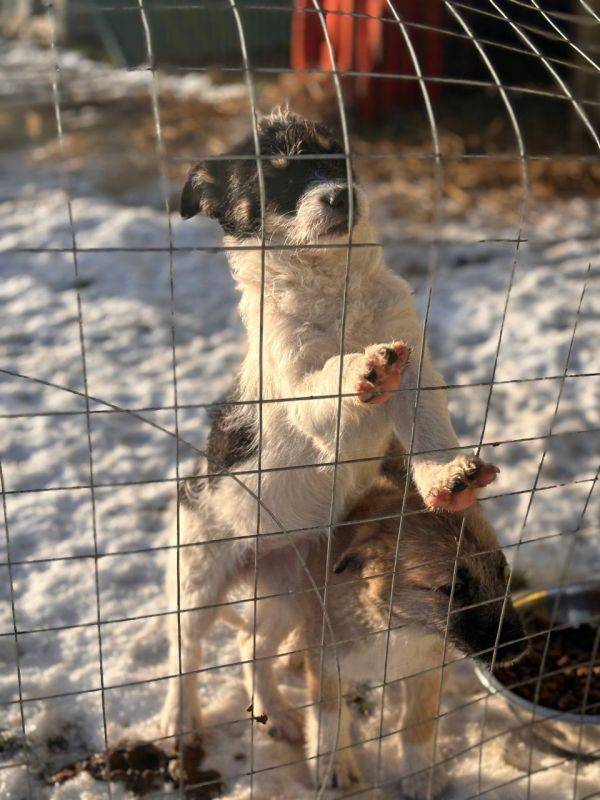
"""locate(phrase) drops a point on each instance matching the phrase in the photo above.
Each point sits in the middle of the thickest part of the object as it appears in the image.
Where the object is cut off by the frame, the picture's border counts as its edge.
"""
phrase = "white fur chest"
(411, 650)
(312, 328)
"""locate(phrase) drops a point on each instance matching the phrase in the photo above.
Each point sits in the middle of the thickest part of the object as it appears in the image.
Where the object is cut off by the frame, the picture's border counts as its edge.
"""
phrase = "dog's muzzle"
(336, 204)
(512, 645)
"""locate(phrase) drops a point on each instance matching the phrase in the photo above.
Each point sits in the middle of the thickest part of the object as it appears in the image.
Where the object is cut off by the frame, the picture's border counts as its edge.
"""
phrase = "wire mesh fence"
(119, 346)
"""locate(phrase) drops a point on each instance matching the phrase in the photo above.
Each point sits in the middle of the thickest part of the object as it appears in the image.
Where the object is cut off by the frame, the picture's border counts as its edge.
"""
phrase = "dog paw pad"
(382, 372)
(458, 483)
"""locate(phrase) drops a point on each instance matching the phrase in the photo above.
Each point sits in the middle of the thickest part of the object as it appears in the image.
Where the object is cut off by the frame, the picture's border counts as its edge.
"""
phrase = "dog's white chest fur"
(409, 650)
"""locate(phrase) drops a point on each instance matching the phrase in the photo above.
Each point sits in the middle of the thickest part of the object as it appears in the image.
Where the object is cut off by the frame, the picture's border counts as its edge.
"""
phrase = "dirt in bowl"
(566, 683)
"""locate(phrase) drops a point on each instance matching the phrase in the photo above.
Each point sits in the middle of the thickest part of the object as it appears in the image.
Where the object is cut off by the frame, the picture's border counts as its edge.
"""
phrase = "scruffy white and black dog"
(291, 305)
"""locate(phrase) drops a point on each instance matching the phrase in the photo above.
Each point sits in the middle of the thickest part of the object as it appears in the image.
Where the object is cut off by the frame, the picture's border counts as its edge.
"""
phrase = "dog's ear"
(351, 560)
(200, 193)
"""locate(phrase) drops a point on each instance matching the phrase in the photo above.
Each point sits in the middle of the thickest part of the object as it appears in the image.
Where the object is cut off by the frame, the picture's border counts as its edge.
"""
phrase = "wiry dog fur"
(363, 557)
(291, 305)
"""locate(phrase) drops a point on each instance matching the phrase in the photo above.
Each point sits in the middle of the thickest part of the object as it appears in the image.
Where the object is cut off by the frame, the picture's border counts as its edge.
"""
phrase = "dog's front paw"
(287, 725)
(424, 780)
(417, 786)
(344, 774)
(454, 486)
(382, 371)
(180, 722)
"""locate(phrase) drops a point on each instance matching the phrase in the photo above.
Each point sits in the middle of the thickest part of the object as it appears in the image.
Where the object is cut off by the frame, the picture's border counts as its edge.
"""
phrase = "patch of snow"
(26, 68)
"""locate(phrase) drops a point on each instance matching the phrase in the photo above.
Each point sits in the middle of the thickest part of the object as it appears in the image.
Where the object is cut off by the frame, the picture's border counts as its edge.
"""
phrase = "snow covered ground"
(26, 69)
(126, 307)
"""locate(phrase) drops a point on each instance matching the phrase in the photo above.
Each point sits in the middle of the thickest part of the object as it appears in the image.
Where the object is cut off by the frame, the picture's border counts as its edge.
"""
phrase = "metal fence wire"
(255, 771)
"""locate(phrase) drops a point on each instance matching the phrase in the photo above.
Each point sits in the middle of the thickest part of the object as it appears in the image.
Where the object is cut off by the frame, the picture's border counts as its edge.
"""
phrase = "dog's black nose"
(338, 200)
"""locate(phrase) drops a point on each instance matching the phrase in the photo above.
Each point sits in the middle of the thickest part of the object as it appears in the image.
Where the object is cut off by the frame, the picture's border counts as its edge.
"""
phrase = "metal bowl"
(574, 605)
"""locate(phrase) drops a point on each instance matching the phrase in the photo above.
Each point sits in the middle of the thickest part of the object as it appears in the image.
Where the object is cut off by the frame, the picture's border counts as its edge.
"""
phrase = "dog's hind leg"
(258, 648)
(324, 718)
(205, 569)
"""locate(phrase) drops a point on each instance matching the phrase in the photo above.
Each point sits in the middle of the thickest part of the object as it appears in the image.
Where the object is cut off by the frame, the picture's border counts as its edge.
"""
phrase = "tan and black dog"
(360, 584)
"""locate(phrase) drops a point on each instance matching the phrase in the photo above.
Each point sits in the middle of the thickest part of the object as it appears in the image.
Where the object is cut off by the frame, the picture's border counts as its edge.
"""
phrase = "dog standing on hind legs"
(294, 308)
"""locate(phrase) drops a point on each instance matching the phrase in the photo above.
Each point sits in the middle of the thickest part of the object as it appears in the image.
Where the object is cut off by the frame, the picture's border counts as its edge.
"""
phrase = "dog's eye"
(459, 588)
(461, 584)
